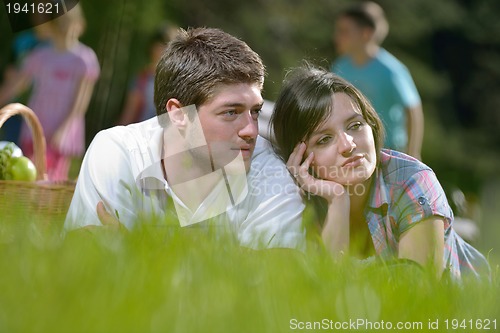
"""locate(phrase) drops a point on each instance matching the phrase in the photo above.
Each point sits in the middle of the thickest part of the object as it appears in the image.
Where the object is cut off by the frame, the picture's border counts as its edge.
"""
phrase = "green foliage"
(171, 279)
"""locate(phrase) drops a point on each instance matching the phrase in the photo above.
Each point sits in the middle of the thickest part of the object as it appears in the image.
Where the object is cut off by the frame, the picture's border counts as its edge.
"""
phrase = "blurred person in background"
(139, 104)
(63, 75)
(359, 31)
(24, 43)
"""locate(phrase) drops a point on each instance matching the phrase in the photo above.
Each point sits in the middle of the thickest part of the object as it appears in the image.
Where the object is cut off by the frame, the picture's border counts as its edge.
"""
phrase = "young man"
(359, 32)
(201, 157)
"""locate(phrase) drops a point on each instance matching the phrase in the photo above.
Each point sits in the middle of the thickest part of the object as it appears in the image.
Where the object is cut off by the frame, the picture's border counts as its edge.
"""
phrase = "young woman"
(378, 201)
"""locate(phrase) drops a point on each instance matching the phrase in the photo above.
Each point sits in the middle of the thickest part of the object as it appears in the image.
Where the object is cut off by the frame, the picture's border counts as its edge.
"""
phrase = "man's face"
(349, 36)
(229, 122)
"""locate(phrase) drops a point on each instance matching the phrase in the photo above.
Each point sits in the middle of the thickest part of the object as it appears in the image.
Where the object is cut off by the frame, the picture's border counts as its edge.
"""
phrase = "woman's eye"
(356, 126)
(324, 140)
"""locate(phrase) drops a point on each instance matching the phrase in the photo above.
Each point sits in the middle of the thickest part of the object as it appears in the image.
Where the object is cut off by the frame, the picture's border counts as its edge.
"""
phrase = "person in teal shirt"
(359, 32)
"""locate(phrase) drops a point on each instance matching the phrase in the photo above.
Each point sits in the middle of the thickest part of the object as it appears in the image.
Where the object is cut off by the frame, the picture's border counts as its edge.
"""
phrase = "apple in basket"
(15, 166)
(13, 149)
(21, 168)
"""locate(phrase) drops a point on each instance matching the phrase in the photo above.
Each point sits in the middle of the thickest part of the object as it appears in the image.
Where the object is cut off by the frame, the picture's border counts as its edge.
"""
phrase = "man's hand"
(109, 222)
(107, 219)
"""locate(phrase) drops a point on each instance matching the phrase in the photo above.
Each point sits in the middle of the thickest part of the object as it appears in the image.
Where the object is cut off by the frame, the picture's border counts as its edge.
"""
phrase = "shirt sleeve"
(405, 91)
(91, 64)
(105, 175)
(274, 217)
(421, 197)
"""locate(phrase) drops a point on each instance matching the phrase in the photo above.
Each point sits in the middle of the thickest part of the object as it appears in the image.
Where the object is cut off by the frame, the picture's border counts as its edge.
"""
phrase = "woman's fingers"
(303, 177)
(295, 158)
(306, 181)
(304, 168)
(291, 158)
(320, 187)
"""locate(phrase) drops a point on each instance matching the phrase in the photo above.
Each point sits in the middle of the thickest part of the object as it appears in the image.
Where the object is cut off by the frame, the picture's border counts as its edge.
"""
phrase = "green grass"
(168, 279)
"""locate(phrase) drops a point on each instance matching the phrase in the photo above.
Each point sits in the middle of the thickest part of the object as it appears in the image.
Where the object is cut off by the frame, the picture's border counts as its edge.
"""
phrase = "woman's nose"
(346, 144)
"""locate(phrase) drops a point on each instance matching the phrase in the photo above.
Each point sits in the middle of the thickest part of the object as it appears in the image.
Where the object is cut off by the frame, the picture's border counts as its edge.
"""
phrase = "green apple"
(16, 151)
(21, 168)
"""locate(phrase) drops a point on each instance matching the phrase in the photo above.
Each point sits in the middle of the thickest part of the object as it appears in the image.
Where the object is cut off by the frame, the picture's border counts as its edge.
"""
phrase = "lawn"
(170, 279)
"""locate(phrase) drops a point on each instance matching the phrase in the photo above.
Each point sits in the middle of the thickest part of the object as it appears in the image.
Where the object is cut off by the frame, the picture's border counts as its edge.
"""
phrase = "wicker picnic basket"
(41, 199)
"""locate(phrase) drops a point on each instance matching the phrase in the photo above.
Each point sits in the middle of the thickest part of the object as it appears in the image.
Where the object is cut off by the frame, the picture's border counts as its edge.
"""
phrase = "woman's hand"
(307, 182)
(335, 233)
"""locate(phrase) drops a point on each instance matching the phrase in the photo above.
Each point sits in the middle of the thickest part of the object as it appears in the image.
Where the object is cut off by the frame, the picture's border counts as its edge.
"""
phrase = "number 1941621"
(32, 8)
(471, 324)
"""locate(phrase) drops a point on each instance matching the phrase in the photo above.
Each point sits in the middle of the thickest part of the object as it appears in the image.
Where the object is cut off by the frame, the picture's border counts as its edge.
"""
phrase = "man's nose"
(249, 126)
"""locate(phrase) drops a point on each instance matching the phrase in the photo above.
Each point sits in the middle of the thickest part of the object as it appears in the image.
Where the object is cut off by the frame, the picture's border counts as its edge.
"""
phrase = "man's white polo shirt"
(122, 168)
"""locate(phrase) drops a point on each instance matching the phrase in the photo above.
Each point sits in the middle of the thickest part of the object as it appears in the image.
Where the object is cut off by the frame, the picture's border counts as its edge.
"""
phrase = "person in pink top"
(63, 77)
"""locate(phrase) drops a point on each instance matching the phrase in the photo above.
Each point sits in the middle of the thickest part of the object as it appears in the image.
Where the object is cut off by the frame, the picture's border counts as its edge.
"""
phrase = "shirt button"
(422, 201)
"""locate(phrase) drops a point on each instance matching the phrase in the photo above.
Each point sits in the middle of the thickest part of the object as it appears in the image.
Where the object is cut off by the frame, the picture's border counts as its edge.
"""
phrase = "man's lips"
(354, 161)
(246, 150)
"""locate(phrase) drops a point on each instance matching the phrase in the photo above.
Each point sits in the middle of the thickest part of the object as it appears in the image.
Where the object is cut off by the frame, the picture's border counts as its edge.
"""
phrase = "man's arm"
(79, 108)
(275, 207)
(275, 223)
(415, 130)
(105, 176)
(13, 87)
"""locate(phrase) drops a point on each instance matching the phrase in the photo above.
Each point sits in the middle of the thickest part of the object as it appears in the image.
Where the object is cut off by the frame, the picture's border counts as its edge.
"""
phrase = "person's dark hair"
(197, 60)
(163, 34)
(305, 102)
(368, 14)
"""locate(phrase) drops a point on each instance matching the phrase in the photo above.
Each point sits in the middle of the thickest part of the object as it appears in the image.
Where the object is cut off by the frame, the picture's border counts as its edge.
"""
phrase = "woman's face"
(343, 146)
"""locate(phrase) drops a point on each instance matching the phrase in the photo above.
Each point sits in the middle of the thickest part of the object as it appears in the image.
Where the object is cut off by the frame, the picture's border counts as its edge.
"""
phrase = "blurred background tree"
(452, 48)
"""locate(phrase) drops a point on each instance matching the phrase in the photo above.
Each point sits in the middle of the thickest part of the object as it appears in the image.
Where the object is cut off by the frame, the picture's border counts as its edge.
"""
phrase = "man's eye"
(255, 113)
(230, 113)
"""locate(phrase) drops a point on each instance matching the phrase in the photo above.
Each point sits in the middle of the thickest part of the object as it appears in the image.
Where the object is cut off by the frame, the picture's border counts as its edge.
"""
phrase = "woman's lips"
(353, 162)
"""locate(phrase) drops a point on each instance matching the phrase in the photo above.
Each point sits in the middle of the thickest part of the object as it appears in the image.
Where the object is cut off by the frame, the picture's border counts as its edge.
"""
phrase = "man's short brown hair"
(197, 60)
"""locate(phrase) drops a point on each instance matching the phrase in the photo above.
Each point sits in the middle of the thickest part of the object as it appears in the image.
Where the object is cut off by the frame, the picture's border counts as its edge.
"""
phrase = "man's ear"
(368, 34)
(176, 114)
